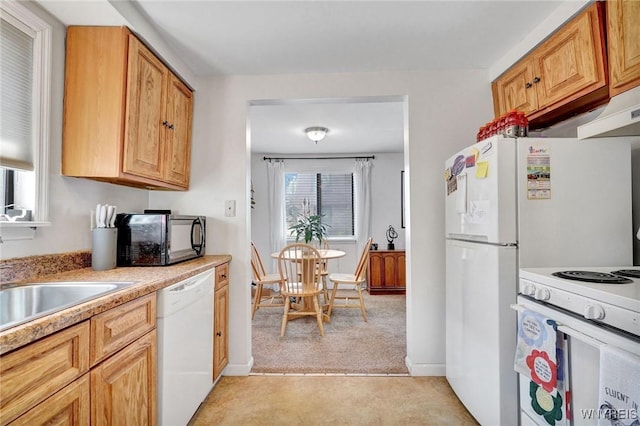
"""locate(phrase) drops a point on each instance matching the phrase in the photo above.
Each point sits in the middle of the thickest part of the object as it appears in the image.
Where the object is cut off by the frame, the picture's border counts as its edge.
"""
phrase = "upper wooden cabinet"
(623, 31)
(565, 72)
(514, 89)
(127, 117)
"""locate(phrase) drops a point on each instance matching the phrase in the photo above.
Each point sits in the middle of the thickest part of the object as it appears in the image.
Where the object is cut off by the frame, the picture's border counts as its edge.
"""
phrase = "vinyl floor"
(331, 399)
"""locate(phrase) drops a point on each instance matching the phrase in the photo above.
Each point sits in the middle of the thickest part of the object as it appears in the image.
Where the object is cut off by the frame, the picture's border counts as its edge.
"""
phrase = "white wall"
(385, 203)
(70, 199)
(445, 109)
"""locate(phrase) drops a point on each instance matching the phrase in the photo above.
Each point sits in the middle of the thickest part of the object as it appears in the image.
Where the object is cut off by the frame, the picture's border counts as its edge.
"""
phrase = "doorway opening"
(357, 127)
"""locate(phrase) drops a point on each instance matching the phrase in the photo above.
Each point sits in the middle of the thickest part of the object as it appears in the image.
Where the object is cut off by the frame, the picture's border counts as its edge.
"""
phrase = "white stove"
(614, 302)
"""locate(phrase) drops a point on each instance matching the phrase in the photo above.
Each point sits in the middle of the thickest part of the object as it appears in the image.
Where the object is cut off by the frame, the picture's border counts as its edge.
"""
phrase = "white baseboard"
(425, 369)
(238, 369)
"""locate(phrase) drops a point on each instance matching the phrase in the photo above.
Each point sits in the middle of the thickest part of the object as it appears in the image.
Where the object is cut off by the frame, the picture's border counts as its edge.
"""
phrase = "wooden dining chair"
(260, 278)
(324, 272)
(299, 269)
(354, 281)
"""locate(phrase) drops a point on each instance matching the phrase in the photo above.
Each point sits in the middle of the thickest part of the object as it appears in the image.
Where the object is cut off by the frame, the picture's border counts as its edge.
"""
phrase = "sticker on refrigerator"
(452, 185)
(538, 172)
(458, 165)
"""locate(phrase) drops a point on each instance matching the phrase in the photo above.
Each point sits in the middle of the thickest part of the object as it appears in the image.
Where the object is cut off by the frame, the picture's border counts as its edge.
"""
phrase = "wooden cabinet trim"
(34, 372)
(114, 329)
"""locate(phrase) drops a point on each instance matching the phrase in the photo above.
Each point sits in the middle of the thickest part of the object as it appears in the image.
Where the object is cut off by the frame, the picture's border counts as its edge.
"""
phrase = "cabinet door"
(623, 30)
(390, 270)
(69, 406)
(220, 330)
(402, 273)
(571, 63)
(515, 89)
(376, 270)
(123, 387)
(34, 372)
(178, 133)
(146, 103)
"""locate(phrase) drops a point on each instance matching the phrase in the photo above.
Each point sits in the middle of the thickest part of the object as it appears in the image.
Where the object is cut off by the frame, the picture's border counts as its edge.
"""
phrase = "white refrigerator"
(514, 203)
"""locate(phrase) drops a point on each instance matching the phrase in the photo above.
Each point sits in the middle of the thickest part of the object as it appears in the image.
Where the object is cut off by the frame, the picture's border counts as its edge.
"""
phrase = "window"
(25, 50)
(330, 195)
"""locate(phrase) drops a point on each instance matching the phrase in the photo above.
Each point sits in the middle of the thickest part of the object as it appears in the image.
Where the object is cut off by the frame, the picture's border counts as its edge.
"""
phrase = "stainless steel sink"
(27, 302)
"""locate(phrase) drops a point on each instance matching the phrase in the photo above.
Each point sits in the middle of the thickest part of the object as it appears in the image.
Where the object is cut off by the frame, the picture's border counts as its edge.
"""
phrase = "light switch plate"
(230, 208)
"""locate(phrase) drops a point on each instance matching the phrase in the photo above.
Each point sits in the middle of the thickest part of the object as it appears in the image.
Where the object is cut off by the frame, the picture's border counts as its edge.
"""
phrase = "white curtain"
(362, 184)
(275, 187)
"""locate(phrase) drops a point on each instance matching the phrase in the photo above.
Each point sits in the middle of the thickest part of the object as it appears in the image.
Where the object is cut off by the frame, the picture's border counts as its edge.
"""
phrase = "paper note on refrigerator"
(478, 211)
(482, 169)
(461, 197)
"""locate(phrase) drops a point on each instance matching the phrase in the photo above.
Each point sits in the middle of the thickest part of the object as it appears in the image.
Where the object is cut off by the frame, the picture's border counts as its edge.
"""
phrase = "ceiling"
(304, 36)
(356, 126)
(216, 37)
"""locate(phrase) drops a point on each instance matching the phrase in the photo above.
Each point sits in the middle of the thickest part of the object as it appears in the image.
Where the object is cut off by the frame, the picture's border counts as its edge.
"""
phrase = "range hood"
(621, 117)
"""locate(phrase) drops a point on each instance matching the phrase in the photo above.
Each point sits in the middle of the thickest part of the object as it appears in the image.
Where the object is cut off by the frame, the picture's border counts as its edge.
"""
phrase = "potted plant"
(309, 226)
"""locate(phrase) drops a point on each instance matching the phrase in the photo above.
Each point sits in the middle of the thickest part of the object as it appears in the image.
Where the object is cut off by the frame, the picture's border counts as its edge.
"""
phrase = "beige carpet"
(349, 345)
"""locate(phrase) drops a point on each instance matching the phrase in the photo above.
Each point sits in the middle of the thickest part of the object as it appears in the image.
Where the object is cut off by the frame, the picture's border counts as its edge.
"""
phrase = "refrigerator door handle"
(481, 239)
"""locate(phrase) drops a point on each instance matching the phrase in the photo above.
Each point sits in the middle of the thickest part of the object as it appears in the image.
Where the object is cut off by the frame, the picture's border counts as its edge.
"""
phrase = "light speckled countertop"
(147, 280)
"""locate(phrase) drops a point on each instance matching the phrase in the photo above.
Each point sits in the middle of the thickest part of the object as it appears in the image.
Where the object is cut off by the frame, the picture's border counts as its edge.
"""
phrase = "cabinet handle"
(223, 276)
(171, 126)
(536, 80)
(165, 123)
(219, 334)
(528, 85)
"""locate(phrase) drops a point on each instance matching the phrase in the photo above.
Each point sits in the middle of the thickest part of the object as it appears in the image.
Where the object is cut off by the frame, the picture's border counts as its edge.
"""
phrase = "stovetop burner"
(592, 277)
(631, 273)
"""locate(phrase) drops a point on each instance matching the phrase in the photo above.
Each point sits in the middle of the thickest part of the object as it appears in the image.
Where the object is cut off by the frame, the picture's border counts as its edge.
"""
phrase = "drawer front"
(70, 406)
(117, 327)
(222, 275)
(31, 374)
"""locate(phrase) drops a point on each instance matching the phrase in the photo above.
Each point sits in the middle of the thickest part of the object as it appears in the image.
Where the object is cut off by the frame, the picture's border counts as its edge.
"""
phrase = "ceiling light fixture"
(316, 134)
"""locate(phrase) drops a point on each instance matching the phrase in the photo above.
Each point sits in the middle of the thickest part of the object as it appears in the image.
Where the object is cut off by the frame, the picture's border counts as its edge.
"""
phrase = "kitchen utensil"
(109, 217)
(112, 223)
(98, 216)
(103, 216)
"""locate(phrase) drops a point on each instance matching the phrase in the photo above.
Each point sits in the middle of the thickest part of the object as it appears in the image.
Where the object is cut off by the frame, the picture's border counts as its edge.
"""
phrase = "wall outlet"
(230, 208)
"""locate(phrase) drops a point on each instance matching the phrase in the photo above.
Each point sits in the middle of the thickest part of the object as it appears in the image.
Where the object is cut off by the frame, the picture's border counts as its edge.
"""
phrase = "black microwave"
(157, 239)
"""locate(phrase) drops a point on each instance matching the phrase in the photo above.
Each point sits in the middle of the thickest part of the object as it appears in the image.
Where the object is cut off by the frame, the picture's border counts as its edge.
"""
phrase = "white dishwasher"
(185, 348)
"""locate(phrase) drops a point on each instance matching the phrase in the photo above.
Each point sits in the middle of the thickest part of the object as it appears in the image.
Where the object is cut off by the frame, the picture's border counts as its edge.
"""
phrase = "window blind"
(16, 97)
(329, 194)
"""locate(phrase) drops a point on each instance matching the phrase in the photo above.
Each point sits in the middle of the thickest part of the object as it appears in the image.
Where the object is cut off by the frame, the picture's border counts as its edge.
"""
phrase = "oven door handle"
(565, 329)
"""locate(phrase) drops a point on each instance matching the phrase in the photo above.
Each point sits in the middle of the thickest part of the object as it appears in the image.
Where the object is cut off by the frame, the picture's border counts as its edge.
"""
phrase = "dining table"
(307, 303)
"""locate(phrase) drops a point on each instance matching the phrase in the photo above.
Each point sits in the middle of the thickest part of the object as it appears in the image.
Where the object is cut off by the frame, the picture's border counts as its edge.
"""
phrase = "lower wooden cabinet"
(386, 273)
(33, 373)
(123, 387)
(69, 406)
(221, 321)
(101, 371)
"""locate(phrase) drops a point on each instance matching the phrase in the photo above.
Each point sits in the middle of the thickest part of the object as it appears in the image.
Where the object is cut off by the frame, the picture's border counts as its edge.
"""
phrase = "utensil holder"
(103, 251)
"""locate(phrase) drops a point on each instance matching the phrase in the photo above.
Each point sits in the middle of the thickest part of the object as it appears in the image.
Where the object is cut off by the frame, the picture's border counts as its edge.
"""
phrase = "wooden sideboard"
(386, 274)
